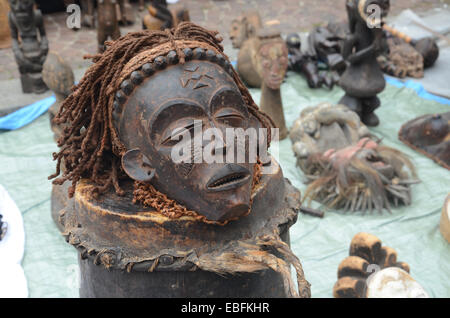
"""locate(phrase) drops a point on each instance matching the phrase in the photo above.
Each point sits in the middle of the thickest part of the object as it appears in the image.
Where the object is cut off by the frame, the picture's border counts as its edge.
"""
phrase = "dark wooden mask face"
(177, 103)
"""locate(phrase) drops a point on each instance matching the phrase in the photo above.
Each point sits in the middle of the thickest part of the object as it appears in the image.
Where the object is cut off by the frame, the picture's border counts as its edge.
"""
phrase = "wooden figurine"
(363, 78)
(271, 62)
(243, 35)
(126, 13)
(149, 225)
(29, 44)
(307, 64)
(108, 23)
(372, 271)
(5, 32)
(326, 43)
(345, 166)
(445, 220)
(429, 135)
(161, 18)
(141, 5)
(88, 12)
(244, 28)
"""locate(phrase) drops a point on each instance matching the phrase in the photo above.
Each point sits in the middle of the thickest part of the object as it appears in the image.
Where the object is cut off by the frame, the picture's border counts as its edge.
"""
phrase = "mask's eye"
(178, 132)
(266, 63)
(230, 117)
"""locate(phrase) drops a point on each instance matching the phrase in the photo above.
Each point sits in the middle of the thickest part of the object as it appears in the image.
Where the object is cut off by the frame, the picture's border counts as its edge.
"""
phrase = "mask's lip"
(231, 176)
(274, 81)
(21, 15)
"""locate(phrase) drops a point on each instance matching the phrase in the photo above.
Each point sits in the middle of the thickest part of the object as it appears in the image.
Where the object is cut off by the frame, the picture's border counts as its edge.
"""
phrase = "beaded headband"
(144, 65)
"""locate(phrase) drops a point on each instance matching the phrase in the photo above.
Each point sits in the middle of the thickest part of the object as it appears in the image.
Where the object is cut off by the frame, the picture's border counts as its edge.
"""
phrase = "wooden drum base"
(128, 250)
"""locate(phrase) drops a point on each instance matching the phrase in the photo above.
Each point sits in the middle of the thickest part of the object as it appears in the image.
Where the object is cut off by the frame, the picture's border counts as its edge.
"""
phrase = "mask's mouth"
(274, 81)
(229, 177)
(22, 15)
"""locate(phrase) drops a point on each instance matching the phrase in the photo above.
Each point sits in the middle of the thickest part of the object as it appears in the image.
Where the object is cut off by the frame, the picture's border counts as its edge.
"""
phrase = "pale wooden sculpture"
(243, 35)
(5, 33)
(271, 62)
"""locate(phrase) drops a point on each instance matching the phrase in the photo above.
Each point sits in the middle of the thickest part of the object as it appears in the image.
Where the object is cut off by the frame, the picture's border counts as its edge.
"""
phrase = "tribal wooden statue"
(5, 32)
(88, 12)
(326, 43)
(244, 28)
(363, 78)
(161, 18)
(29, 44)
(372, 271)
(142, 213)
(126, 12)
(345, 167)
(108, 23)
(307, 65)
(243, 35)
(429, 135)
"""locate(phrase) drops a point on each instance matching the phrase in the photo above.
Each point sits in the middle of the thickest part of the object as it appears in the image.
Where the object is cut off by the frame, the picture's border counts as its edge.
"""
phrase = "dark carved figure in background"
(161, 18)
(322, 62)
(29, 44)
(88, 11)
(326, 43)
(306, 64)
(108, 23)
(363, 78)
(3, 228)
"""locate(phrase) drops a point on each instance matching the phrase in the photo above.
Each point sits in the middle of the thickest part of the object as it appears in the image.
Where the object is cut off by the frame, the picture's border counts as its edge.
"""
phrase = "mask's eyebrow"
(228, 97)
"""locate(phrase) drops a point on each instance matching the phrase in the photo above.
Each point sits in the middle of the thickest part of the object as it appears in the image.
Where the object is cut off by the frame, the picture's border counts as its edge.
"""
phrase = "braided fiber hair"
(89, 145)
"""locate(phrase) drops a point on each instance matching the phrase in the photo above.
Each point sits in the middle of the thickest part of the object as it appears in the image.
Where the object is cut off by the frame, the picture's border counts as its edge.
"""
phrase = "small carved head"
(244, 28)
(21, 8)
(271, 58)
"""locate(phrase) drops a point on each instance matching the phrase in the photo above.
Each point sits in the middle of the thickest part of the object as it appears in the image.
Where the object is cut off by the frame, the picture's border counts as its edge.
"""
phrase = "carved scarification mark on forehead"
(197, 75)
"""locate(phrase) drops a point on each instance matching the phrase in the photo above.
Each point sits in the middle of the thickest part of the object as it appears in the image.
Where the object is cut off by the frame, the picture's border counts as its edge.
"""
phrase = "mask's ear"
(137, 166)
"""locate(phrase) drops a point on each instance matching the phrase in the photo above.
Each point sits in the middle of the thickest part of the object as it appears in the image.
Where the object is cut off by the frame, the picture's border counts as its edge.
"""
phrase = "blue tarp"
(26, 115)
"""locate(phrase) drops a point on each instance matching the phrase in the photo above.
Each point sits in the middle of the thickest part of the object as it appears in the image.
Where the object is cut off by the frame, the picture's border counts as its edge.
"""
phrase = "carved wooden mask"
(161, 99)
